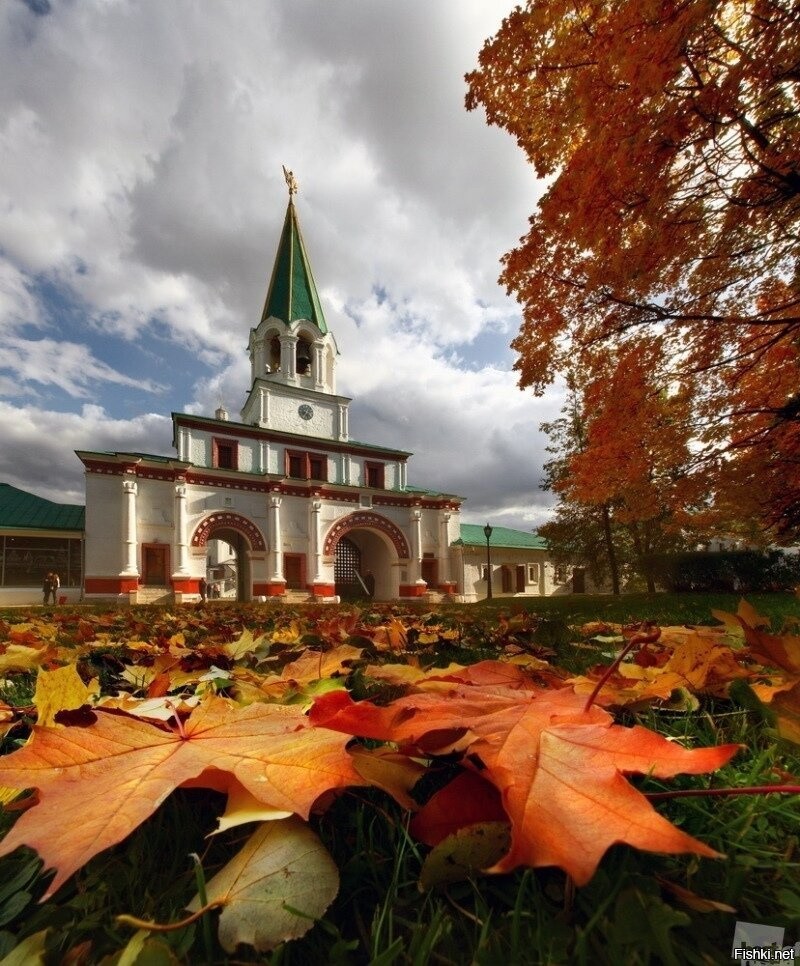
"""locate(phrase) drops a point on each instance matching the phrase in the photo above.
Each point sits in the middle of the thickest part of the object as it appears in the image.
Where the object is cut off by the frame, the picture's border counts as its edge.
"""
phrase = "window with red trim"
(306, 466)
(374, 475)
(225, 453)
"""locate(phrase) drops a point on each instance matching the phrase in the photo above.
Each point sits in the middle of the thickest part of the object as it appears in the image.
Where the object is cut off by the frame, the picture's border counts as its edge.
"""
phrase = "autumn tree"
(669, 135)
(624, 458)
(581, 532)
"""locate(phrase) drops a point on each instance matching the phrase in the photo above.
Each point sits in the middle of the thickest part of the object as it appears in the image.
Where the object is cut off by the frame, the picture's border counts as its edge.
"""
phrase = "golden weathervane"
(291, 181)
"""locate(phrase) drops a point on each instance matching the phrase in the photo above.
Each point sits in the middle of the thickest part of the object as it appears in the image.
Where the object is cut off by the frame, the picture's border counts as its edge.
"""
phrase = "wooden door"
(520, 578)
(505, 571)
(155, 565)
(579, 581)
(293, 571)
(430, 571)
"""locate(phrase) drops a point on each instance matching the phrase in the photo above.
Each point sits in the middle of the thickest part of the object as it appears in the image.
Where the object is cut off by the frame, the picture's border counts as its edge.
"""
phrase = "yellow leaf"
(243, 807)
(61, 690)
(8, 794)
(468, 850)
(30, 952)
(244, 645)
(18, 657)
(283, 864)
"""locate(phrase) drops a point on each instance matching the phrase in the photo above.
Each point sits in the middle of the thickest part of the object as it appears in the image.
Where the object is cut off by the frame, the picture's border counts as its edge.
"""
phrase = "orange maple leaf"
(559, 768)
(98, 783)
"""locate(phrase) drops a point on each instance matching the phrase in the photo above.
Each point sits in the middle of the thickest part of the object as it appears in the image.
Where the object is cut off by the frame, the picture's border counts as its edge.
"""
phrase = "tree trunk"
(612, 557)
(641, 550)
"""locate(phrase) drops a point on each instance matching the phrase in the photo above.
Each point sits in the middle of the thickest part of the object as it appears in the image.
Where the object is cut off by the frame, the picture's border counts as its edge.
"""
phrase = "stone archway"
(378, 546)
(243, 536)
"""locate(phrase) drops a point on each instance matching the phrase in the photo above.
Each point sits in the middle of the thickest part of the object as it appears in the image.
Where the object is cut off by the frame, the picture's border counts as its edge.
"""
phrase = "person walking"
(203, 586)
(47, 586)
(55, 584)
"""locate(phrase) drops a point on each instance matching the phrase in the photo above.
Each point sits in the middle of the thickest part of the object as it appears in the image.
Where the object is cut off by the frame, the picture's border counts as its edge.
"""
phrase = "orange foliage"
(558, 767)
(671, 135)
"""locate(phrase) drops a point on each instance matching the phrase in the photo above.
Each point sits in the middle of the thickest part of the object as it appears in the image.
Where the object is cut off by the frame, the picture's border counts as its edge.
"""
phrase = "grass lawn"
(639, 908)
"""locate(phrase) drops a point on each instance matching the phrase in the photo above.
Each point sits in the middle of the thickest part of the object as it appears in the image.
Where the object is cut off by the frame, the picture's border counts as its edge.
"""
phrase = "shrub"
(740, 571)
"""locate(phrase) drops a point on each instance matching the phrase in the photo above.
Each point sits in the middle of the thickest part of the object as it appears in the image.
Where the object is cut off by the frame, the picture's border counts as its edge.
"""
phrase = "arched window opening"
(303, 356)
(275, 354)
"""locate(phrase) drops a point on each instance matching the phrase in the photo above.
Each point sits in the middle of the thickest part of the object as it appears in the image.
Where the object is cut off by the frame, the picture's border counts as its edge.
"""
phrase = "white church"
(307, 511)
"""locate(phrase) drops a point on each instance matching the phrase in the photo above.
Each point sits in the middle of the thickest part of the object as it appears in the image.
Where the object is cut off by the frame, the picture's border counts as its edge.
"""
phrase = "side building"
(38, 536)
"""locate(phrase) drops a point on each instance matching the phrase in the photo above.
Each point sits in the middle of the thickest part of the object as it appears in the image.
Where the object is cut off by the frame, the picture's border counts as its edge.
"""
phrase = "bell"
(303, 357)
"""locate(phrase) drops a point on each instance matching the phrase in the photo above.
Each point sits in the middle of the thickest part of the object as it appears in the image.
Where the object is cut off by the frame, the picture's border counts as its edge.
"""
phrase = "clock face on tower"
(305, 411)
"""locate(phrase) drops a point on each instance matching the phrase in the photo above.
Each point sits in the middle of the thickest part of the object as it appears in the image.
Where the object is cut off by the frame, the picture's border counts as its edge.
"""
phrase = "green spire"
(292, 293)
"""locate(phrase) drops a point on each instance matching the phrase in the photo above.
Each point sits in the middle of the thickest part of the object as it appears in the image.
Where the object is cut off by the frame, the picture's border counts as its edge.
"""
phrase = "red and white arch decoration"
(366, 521)
(228, 521)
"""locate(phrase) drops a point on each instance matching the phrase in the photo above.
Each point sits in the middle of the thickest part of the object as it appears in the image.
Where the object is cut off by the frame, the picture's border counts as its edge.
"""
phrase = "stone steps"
(152, 595)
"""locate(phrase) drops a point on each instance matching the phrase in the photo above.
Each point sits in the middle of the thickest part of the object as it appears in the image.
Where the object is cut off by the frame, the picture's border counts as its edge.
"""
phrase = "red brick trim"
(413, 590)
(323, 590)
(223, 520)
(370, 521)
(268, 588)
(447, 587)
(184, 585)
(110, 585)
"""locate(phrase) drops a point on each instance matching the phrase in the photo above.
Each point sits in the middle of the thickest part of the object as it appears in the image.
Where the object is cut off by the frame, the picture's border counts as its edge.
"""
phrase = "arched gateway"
(370, 552)
(244, 538)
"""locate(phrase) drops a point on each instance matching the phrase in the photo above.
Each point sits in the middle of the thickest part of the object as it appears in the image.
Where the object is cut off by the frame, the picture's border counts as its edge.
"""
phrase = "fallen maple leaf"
(97, 783)
(274, 888)
(559, 767)
(313, 665)
(61, 690)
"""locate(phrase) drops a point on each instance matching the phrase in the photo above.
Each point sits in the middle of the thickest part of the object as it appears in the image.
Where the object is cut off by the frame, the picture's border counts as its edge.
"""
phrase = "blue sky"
(141, 147)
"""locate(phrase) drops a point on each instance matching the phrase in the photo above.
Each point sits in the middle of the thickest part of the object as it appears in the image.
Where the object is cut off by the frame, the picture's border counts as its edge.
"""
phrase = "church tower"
(305, 508)
(292, 351)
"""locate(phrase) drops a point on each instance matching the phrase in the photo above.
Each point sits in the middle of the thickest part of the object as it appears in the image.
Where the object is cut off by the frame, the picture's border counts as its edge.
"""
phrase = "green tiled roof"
(292, 293)
(472, 535)
(24, 511)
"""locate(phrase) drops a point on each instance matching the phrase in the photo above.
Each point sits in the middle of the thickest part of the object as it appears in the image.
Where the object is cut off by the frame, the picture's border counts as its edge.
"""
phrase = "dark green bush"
(739, 571)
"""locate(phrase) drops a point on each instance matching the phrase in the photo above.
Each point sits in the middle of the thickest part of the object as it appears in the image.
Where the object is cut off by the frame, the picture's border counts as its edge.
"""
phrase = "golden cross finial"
(291, 181)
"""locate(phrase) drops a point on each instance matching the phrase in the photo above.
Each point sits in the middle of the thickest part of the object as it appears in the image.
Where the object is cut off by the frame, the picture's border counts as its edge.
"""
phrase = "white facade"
(306, 508)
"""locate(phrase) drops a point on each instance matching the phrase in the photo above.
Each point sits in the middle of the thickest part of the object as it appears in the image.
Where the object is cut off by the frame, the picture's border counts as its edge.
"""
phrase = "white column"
(444, 549)
(181, 546)
(259, 358)
(316, 539)
(129, 537)
(261, 407)
(416, 546)
(275, 537)
(289, 357)
(317, 366)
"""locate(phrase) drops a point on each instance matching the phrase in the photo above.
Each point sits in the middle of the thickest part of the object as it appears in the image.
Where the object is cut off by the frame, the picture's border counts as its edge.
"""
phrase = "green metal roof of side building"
(25, 511)
(472, 535)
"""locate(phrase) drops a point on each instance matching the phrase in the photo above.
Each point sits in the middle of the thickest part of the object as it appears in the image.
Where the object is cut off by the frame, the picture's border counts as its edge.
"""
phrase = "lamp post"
(488, 531)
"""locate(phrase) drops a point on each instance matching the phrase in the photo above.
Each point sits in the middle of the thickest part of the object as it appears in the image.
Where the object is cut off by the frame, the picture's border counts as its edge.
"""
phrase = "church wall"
(103, 525)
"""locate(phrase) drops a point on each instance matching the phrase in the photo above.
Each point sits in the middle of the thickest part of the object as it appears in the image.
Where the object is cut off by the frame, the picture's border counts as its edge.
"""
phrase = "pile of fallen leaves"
(105, 715)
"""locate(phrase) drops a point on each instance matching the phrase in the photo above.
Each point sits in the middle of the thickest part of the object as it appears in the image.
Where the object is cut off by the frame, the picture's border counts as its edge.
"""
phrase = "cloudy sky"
(141, 199)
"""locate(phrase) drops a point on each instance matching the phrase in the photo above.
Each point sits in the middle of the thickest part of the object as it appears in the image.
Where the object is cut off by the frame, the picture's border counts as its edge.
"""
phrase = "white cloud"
(140, 172)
